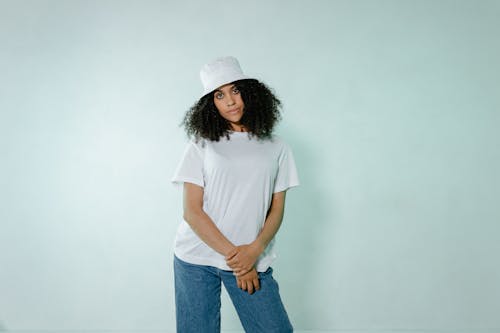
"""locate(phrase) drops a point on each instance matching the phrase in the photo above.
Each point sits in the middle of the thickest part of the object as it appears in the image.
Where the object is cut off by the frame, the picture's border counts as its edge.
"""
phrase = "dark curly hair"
(261, 113)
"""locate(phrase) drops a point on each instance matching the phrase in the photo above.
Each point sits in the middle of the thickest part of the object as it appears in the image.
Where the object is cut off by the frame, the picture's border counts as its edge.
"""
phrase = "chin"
(235, 120)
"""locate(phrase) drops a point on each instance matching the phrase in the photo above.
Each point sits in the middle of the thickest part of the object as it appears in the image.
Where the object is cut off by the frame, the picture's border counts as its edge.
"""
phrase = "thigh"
(263, 311)
(197, 297)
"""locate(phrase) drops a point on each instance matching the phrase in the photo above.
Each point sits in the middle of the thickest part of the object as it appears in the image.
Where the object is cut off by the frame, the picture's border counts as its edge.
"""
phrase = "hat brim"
(220, 81)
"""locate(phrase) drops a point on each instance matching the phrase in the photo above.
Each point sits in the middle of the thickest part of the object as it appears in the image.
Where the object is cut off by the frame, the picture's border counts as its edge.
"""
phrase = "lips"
(234, 111)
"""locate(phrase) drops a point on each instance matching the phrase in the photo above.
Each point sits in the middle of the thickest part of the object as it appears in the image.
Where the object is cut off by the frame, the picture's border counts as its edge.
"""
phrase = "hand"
(249, 281)
(242, 258)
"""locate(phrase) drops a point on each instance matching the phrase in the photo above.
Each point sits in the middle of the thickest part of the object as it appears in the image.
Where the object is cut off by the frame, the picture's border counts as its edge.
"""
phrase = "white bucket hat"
(219, 72)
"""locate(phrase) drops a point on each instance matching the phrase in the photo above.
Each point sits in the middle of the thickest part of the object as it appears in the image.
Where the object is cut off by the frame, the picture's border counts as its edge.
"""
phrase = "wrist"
(228, 250)
(258, 246)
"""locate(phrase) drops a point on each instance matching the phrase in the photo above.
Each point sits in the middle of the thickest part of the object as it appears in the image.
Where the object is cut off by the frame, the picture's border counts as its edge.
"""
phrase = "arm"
(206, 229)
(201, 223)
(242, 258)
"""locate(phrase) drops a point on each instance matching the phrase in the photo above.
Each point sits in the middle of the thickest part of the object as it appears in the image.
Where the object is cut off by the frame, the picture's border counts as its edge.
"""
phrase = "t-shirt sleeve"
(287, 176)
(190, 168)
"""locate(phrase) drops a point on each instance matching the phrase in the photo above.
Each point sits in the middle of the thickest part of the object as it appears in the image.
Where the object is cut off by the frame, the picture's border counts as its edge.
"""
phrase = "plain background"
(391, 108)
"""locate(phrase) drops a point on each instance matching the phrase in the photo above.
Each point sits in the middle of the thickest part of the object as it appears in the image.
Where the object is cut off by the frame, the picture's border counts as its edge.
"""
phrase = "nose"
(230, 100)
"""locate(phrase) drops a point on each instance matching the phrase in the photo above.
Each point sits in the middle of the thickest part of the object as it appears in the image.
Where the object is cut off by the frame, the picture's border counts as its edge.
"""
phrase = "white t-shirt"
(239, 177)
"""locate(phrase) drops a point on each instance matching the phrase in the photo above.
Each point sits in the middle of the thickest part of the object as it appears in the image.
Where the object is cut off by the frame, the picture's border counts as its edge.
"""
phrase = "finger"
(239, 273)
(238, 282)
(232, 261)
(250, 287)
(256, 283)
(234, 268)
(231, 254)
(233, 265)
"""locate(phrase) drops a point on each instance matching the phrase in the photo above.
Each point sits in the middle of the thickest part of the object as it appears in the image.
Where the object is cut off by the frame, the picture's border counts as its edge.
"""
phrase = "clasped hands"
(241, 259)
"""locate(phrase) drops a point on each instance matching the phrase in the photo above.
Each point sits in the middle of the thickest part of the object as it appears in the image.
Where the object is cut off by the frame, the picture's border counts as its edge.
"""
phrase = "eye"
(236, 90)
(219, 95)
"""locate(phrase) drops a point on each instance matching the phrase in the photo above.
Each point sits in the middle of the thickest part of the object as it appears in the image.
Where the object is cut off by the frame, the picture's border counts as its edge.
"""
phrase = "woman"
(235, 174)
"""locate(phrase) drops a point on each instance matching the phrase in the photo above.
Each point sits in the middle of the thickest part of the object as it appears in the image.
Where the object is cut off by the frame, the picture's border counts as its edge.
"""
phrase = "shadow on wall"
(305, 222)
(2, 327)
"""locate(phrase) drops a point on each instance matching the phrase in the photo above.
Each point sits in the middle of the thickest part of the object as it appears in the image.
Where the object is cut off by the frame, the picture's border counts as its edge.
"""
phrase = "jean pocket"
(268, 272)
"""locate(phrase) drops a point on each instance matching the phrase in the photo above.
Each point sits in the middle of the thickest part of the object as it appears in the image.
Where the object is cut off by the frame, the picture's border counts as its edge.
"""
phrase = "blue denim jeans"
(197, 300)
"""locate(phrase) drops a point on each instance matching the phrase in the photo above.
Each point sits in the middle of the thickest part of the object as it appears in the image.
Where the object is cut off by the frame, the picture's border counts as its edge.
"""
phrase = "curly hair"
(261, 113)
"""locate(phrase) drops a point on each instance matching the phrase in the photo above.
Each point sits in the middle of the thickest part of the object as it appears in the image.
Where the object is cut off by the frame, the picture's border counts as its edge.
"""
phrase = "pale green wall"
(391, 107)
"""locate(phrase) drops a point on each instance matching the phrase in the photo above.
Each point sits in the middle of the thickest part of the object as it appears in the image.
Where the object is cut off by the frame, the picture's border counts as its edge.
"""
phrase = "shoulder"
(278, 145)
(197, 143)
(196, 146)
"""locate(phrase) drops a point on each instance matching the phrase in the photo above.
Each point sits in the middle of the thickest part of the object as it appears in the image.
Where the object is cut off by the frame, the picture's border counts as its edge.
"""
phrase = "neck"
(238, 128)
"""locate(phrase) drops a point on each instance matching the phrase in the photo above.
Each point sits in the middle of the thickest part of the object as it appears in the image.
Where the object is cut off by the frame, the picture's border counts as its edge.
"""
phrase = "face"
(227, 99)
